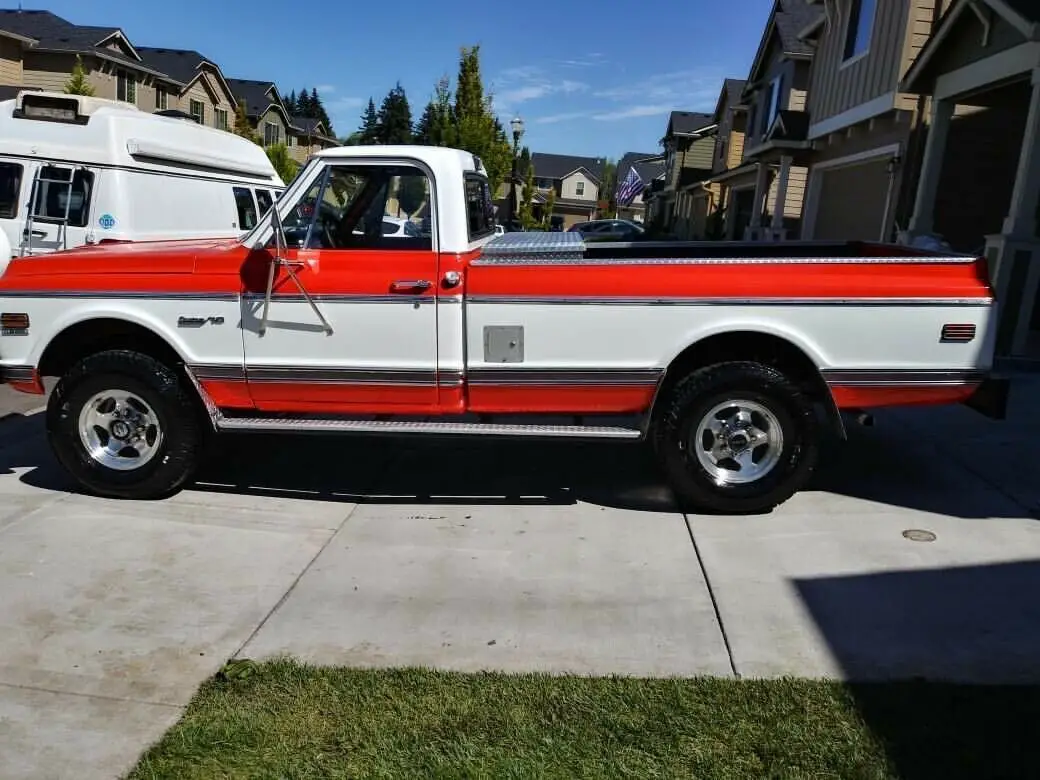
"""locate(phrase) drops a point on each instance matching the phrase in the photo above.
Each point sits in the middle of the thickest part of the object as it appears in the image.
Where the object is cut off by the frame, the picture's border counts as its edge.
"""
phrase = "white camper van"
(80, 170)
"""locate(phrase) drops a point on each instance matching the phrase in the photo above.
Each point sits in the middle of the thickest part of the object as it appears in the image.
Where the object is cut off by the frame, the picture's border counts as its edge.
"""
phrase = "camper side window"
(263, 201)
(63, 195)
(246, 208)
(10, 186)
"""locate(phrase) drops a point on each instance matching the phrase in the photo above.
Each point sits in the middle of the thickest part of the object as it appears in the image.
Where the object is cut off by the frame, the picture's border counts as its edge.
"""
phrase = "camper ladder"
(57, 177)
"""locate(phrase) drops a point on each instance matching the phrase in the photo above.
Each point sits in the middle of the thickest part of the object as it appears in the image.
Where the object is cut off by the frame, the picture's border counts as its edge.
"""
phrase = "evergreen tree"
(395, 118)
(550, 204)
(303, 103)
(291, 105)
(242, 126)
(77, 83)
(421, 134)
(478, 130)
(318, 111)
(524, 162)
(369, 132)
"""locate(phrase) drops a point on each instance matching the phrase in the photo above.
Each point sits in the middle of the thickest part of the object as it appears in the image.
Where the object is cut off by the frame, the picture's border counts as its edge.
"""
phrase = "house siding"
(10, 62)
(568, 188)
(895, 39)
(51, 71)
(701, 154)
(962, 46)
(271, 115)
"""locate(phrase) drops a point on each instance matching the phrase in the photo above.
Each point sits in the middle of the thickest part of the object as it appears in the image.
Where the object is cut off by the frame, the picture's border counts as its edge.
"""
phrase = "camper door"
(57, 213)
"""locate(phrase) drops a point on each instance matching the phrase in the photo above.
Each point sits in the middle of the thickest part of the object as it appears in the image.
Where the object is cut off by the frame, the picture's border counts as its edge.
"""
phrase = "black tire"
(694, 396)
(161, 389)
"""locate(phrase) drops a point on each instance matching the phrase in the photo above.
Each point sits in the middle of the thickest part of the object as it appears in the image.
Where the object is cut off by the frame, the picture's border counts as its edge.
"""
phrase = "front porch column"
(780, 209)
(761, 191)
(923, 221)
(729, 219)
(1014, 254)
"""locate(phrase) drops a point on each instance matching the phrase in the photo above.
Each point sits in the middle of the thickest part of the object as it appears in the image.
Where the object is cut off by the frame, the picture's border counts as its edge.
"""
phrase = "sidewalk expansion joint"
(711, 595)
(102, 696)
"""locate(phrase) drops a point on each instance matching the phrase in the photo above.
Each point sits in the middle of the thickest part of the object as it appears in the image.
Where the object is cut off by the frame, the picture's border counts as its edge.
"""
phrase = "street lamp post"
(517, 126)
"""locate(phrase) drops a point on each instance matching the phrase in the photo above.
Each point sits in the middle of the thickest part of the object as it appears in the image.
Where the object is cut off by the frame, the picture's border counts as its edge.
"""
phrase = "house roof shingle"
(688, 122)
(180, 64)
(791, 18)
(556, 166)
(254, 93)
(53, 32)
(647, 171)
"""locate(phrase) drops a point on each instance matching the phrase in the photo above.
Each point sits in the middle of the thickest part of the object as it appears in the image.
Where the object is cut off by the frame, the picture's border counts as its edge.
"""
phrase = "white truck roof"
(95, 131)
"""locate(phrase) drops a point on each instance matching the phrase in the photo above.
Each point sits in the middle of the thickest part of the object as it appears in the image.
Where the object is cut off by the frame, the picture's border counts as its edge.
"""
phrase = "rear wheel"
(124, 425)
(736, 438)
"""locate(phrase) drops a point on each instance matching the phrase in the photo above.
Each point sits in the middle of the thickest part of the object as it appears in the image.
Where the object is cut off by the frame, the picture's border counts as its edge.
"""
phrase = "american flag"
(629, 188)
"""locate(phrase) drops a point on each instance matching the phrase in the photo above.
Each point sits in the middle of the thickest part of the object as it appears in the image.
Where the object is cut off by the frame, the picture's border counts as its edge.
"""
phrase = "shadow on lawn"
(978, 626)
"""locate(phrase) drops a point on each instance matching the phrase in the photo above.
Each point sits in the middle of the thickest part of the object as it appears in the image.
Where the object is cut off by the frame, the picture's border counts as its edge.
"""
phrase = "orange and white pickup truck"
(339, 314)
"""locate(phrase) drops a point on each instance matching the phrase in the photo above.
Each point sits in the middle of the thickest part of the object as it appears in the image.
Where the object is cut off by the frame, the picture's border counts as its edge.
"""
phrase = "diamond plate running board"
(312, 425)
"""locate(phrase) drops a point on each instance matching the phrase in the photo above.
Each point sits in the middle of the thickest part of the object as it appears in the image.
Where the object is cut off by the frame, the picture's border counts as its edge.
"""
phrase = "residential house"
(689, 146)
(647, 166)
(576, 181)
(715, 196)
(770, 185)
(264, 109)
(308, 136)
(202, 92)
(979, 180)
(39, 50)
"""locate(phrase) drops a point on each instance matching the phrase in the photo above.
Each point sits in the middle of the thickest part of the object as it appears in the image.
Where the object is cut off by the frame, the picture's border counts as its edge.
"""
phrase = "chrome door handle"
(410, 285)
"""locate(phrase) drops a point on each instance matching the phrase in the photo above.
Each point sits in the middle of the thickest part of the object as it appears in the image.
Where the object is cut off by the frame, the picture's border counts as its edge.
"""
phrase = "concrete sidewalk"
(514, 556)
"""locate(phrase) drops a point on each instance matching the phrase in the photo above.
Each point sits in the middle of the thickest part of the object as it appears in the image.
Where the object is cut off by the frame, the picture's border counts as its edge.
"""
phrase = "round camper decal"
(107, 221)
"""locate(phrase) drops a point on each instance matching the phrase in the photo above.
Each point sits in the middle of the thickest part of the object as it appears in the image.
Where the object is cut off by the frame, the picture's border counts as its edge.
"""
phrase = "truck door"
(57, 208)
(350, 324)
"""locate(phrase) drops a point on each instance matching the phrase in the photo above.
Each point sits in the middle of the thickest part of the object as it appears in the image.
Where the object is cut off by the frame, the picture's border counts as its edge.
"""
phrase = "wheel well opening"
(87, 338)
(751, 346)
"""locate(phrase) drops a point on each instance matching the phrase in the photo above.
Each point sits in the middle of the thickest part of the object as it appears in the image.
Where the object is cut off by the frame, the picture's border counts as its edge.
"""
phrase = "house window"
(861, 22)
(272, 134)
(774, 100)
(126, 87)
(162, 98)
(197, 109)
(579, 188)
(220, 120)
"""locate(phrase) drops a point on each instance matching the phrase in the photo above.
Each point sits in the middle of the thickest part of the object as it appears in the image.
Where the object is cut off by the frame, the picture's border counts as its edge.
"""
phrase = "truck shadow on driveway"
(883, 465)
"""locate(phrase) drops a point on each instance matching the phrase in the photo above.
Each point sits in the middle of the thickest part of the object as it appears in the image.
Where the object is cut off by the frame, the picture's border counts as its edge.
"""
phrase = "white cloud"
(326, 88)
(531, 82)
(633, 111)
(552, 119)
(346, 102)
(683, 89)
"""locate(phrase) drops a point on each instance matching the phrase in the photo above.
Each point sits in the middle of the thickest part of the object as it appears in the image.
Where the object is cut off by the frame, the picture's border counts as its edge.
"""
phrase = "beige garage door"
(851, 202)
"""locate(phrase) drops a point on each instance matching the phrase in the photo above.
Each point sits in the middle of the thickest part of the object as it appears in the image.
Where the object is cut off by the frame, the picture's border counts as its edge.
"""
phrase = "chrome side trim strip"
(320, 425)
(899, 378)
(513, 376)
(122, 294)
(297, 298)
(722, 301)
(521, 260)
(17, 374)
(218, 371)
(347, 376)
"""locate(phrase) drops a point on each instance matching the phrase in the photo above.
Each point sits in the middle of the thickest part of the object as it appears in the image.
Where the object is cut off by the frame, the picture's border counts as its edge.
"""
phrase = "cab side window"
(362, 207)
(246, 208)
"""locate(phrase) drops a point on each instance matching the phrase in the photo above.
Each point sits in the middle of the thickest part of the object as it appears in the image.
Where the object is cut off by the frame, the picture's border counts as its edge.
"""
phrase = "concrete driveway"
(515, 556)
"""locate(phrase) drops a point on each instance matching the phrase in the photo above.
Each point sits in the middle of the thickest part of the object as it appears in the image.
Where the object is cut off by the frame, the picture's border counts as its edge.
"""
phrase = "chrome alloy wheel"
(738, 442)
(119, 430)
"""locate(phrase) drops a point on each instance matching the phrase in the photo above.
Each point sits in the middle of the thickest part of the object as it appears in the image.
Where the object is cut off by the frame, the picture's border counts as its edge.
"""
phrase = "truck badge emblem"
(198, 322)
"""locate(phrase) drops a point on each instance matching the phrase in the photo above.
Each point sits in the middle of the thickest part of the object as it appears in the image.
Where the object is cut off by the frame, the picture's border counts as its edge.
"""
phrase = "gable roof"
(787, 19)
(257, 97)
(648, 166)
(183, 66)
(52, 33)
(557, 166)
(732, 93)
(688, 122)
(1024, 15)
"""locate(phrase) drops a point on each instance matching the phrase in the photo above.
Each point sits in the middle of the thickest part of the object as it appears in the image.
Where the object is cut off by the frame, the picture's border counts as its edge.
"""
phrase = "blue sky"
(586, 79)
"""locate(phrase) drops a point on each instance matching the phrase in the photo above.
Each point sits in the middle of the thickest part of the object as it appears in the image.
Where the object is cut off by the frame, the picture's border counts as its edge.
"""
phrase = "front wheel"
(124, 426)
(736, 438)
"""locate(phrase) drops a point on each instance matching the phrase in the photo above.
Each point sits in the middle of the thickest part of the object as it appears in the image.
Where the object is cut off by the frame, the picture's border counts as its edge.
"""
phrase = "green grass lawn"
(287, 720)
